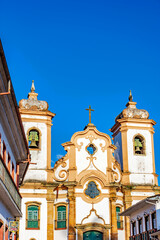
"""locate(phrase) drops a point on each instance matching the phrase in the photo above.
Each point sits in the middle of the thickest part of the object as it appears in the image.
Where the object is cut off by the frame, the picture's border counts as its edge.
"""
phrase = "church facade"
(81, 197)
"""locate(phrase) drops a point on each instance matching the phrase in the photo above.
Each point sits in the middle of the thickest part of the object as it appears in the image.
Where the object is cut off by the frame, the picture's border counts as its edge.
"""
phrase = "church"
(81, 197)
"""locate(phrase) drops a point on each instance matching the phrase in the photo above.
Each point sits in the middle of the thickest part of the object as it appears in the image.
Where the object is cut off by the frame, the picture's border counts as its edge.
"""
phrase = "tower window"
(139, 146)
(33, 139)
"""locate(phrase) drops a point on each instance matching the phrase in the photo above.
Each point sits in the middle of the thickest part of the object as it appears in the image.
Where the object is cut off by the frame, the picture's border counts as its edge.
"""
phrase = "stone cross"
(89, 109)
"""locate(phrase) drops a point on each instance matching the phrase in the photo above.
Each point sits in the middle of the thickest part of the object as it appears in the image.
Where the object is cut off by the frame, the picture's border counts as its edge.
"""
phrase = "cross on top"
(89, 109)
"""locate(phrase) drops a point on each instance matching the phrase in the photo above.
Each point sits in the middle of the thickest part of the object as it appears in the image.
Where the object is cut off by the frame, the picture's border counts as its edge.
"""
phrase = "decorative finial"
(130, 96)
(32, 87)
(89, 109)
(32, 94)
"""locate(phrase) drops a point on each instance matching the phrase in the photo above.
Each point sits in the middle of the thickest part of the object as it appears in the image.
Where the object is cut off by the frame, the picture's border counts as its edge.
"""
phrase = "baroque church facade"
(81, 197)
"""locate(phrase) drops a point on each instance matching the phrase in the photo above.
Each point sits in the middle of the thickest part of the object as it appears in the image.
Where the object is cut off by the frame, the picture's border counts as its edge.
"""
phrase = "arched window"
(119, 220)
(61, 217)
(139, 145)
(33, 139)
(33, 217)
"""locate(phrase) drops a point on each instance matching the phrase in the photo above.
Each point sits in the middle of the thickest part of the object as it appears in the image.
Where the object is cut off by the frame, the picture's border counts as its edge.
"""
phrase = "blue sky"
(83, 53)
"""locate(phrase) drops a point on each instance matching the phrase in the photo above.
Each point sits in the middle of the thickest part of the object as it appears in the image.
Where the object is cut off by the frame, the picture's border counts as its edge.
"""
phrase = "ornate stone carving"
(116, 173)
(33, 104)
(103, 148)
(91, 138)
(93, 217)
(132, 112)
(79, 146)
(61, 169)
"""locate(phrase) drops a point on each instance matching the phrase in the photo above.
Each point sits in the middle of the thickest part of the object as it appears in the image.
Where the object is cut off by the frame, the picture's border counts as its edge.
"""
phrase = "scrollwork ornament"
(91, 138)
(79, 146)
(103, 148)
(62, 174)
(116, 173)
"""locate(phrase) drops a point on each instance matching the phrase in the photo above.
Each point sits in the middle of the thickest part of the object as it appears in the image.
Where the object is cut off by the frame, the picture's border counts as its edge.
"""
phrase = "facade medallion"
(92, 190)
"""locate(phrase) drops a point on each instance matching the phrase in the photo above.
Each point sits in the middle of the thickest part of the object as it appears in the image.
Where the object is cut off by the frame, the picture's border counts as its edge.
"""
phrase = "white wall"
(141, 166)
(40, 234)
(81, 156)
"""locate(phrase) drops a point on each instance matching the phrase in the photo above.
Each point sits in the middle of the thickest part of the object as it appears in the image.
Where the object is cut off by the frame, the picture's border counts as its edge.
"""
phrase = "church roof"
(132, 112)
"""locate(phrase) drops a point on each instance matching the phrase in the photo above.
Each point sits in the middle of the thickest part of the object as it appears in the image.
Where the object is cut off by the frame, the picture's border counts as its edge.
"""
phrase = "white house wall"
(40, 234)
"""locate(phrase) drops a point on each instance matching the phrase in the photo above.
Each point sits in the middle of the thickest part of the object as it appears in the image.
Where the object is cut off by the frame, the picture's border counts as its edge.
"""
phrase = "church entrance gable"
(92, 235)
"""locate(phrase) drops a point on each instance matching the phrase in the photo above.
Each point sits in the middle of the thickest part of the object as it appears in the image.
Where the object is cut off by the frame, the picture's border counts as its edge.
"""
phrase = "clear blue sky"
(83, 53)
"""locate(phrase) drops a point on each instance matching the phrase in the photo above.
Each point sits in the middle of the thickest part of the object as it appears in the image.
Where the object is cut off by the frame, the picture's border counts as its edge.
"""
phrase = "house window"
(133, 228)
(153, 216)
(33, 217)
(140, 225)
(61, 217)
(13, 171)
(119, 222)
(147, 223)
(6, 233)
(9, 163)
(1, 230)
(33, 139)
(4, 152)
(139, 146)
(0, 145)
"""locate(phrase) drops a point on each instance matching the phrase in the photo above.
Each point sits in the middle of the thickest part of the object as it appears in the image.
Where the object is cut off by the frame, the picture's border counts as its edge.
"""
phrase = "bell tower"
(133, 136)
(37, 122)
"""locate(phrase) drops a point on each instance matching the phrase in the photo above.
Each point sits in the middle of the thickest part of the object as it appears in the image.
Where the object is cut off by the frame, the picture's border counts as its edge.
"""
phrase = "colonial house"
(144, 218)
(14, 153)
(81, 197)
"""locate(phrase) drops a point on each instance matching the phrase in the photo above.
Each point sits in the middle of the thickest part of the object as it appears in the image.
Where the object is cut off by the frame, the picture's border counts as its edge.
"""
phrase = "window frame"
(152, 220)
(40, 134)
(56, 214)
(138, 221)
(28, 204)
(143, 141)
(119, 218)
(4, 153)
(145, 222)
(133, 226)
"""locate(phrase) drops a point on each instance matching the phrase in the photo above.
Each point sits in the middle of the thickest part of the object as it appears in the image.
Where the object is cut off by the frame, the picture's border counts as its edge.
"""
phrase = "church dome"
(132, 112)
(32, 103)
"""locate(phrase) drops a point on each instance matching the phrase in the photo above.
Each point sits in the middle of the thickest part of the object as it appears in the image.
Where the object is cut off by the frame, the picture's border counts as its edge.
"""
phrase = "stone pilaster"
(72, 214)
(114, 232)
(127, 204)
(50, 214)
